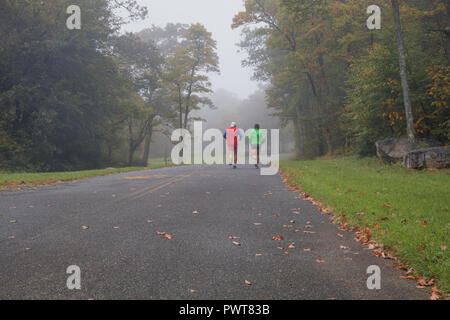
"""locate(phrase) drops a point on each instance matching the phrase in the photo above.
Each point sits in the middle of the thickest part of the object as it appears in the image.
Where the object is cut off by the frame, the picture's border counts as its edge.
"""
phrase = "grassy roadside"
(406, 210)
(17, 180)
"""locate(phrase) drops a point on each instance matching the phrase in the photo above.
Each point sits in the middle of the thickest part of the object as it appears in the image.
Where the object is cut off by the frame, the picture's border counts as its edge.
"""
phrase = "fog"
(216, 16)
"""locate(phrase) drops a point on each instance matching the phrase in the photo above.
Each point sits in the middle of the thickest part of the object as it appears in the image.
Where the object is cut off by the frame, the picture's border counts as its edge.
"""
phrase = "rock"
(391, 150)
(438, 158)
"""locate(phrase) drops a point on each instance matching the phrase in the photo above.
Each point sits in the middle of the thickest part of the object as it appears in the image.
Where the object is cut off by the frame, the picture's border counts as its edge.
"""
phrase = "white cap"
(233, 124)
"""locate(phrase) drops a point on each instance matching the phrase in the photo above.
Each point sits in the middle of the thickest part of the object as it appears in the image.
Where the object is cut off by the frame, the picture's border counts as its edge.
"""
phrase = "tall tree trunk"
(130, 146)
(148, 140)
(328, 141)
(447, 31)
(186, 114)
(403, 72)
(298, 139)
(180, 106)
(130, 156)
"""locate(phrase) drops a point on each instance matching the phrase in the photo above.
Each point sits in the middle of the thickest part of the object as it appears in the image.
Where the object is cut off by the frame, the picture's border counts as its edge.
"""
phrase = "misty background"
(236, 97)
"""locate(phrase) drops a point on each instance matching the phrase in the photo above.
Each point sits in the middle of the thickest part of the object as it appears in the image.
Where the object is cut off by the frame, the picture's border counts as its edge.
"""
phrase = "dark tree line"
(342, 85)
(90, 98)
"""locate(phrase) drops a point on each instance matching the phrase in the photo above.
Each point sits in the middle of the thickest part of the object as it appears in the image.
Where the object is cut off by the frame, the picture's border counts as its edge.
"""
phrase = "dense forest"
(90, 97)
(339, 82)
(93, 97)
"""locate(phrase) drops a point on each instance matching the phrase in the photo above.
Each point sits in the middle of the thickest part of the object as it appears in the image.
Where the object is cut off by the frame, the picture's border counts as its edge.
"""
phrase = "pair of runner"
(256, 137)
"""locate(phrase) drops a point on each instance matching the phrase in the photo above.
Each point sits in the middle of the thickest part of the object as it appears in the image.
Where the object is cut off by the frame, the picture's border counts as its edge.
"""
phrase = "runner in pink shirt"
(232, 134)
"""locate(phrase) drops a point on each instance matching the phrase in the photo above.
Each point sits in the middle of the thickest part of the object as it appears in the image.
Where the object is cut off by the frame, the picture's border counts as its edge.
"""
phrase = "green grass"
(407, 210)
(20, 179)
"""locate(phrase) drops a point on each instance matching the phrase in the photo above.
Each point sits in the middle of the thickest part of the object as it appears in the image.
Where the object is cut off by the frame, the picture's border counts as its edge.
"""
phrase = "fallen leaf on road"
(160, 233)
(435, 294)
(149, 221)
(425, 283)
(408, 277)
(84, 227)
(307, 250)
(343, 247)
(277, 238)
(309, 232)
(410, 271)
(114, 196)
(399, 266)
(276, 215)
(233, 237)
(247, 282)
(12, 221)
(258, 255)
(193, 291)
(13, 207)
(11, 237)
(167, 236)
(207, 192)
(292, 221)
(257, 223)
(236, 243)
(320, 261)
(340, 235)
(280, 248)
(195, 212)
(292, 246)
(117, 228)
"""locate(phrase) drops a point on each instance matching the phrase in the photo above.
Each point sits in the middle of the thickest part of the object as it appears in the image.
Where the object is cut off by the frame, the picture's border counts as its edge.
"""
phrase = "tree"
(186, 73)
(60, 90)
(340, 84)
(143, 63)
(403, 71)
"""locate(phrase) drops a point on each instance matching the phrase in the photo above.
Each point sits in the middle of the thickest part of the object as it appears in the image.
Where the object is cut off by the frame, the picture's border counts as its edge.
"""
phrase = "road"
(123, 253)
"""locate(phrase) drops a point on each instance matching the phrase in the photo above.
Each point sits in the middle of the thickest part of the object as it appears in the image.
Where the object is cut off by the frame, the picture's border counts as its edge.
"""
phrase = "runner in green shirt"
(256, 137)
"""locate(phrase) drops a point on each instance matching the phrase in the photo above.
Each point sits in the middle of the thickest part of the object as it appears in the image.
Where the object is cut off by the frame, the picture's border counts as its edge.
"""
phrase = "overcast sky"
(217, 17)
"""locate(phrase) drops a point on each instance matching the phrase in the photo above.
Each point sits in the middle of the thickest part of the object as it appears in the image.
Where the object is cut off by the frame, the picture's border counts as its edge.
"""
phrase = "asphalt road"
(122, 256)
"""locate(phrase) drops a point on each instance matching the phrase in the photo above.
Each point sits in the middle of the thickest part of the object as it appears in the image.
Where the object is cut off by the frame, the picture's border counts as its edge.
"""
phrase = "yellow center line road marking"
(146, 191)
(154, 176)
(137, 192)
